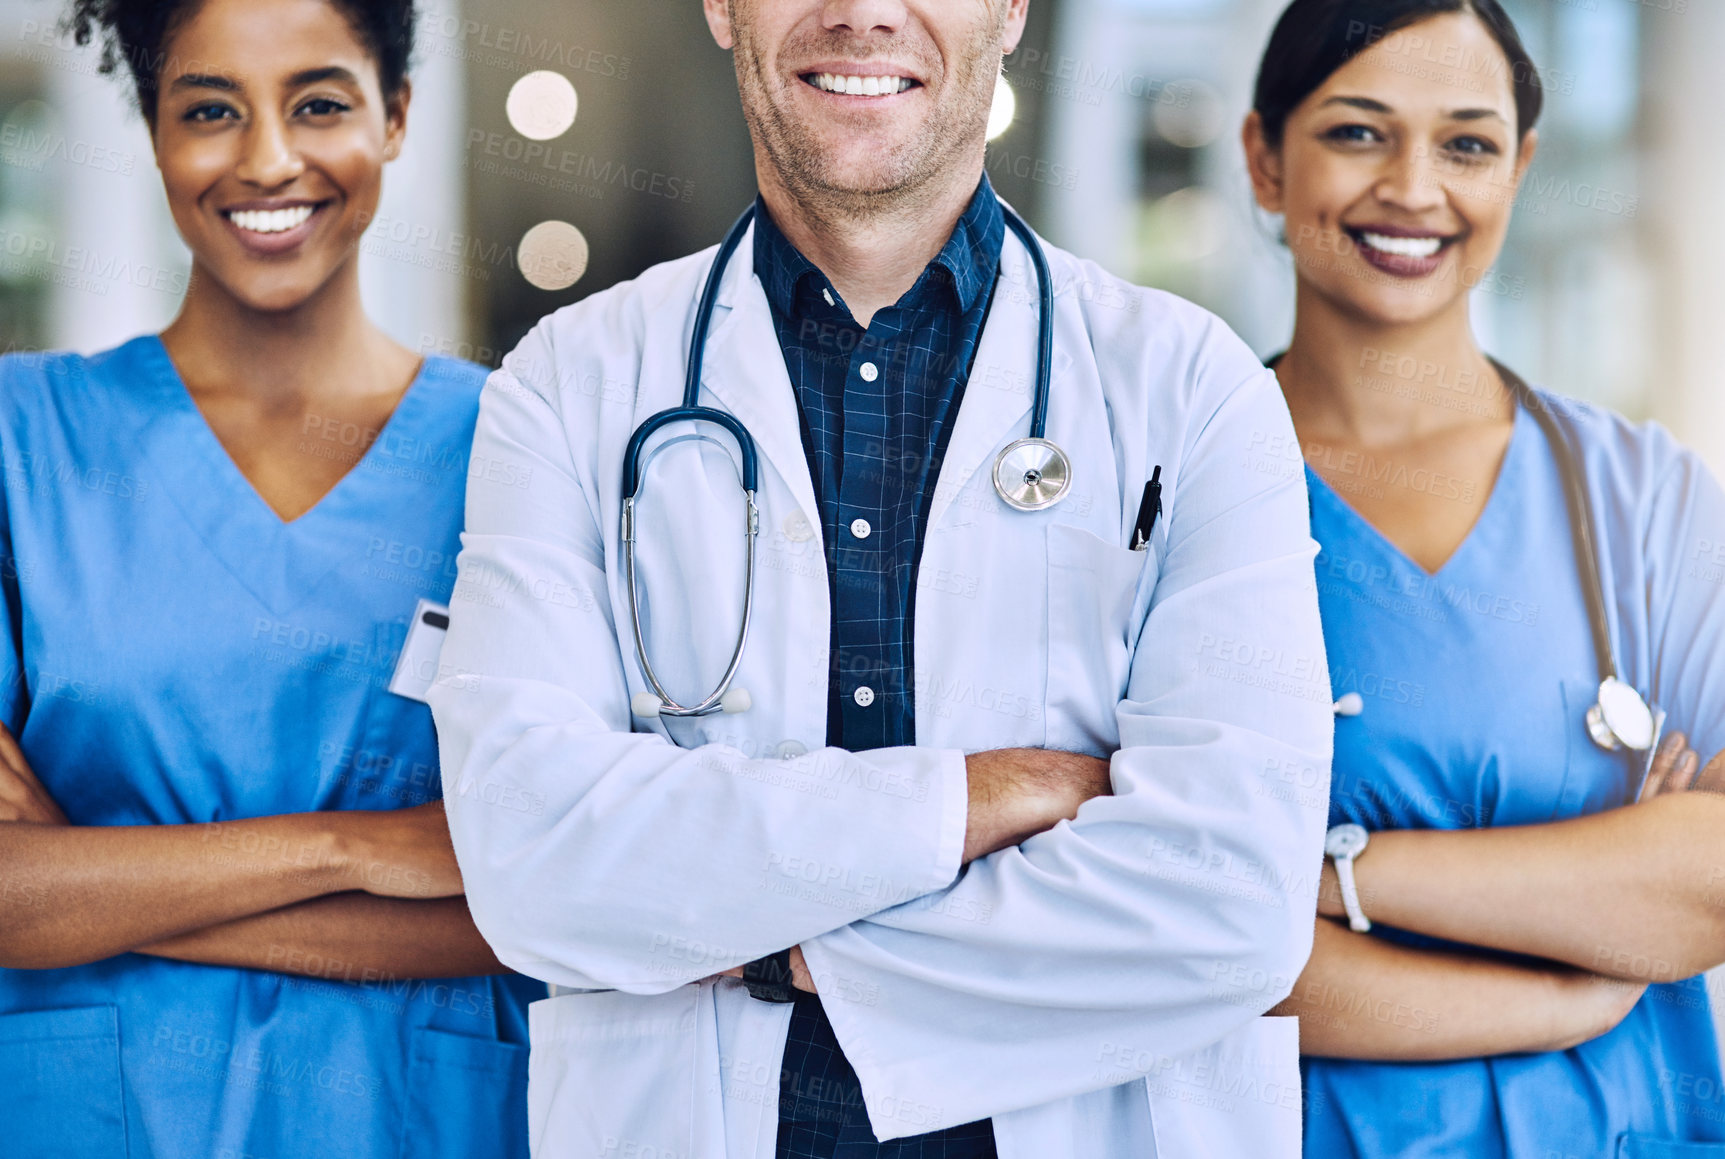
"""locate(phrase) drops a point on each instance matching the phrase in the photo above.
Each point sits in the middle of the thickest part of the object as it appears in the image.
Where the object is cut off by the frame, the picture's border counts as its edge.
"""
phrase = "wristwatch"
(769, 978)
(1341, 845)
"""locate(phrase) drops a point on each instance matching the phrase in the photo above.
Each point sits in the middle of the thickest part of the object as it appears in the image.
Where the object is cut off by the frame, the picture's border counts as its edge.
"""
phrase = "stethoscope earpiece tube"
(723, 698)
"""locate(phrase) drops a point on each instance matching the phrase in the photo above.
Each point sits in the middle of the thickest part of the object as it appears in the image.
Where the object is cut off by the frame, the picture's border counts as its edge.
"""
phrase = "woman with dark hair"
(231, 923)
(1513, 916)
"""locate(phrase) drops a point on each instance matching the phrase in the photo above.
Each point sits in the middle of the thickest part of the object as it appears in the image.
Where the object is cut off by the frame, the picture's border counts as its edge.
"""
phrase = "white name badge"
(417, 668)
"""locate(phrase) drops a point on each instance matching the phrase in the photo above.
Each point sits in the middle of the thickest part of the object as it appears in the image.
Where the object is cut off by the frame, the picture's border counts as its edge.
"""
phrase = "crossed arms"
(644, 870)
(357, 895)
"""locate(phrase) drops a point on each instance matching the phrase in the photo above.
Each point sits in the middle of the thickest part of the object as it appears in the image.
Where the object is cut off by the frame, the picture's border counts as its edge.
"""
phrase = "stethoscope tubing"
(1044, 324)
(692, 410)
(1580, 518)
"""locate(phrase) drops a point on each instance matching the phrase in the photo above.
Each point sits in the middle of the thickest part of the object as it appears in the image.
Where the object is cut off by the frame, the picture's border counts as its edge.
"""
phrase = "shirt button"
(864, 696)
(828, 295)
(860, 528)
(869, 372)
(790, 750)
(798, 529)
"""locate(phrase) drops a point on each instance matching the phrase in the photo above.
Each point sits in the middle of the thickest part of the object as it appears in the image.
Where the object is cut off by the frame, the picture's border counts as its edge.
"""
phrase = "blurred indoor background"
(1121, 145)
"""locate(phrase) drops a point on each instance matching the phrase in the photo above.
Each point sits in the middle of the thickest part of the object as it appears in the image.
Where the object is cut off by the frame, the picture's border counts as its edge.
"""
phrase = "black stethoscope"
(1030, 474)
(1620, 719)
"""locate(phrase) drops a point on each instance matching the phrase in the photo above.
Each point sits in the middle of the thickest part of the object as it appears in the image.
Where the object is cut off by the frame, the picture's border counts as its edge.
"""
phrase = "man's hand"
(801, 979)
(1018, 793)
(1014, 794)
(800, 976)
(22, 797)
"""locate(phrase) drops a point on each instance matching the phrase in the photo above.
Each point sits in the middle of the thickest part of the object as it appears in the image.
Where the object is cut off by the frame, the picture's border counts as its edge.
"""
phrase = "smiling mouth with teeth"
(271, 220)
(859, 86)
(1417, 248)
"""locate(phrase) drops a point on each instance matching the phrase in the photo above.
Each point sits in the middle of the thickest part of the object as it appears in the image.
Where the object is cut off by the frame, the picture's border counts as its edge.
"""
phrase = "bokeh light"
(552, 255)
(542, 105)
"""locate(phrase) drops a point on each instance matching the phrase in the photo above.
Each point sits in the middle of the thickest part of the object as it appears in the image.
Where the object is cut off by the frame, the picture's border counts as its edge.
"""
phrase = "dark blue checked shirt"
(878, 406)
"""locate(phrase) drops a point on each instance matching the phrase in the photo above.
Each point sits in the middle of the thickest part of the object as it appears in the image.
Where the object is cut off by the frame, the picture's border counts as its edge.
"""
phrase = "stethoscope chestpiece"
(1032, 474)
(1620, 718)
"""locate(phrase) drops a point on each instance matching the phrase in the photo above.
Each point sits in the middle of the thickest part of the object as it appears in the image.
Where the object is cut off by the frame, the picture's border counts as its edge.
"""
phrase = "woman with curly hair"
(231, 923)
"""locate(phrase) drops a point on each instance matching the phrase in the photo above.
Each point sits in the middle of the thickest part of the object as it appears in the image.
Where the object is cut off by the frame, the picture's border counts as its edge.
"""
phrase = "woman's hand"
(22, 797)
(1673, 767)
(1676, 768)
(399, 852)
(1712, 778)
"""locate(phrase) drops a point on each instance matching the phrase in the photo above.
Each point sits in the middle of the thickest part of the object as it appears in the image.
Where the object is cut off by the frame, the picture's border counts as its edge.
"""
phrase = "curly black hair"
(137, 32)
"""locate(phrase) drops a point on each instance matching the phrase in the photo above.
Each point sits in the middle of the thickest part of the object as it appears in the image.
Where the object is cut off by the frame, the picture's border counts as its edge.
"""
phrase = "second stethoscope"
(1620, 719)
(1030, 474)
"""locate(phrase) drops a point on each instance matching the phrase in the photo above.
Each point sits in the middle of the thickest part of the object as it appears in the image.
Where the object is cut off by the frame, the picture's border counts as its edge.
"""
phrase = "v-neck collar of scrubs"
(1507, 472)
(279, 561)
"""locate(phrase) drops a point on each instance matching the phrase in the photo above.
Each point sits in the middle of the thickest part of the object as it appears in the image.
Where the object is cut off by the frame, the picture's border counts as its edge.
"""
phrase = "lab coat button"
(860, 528)
(791, 749)
(798, 529)
(869, 371)
(864, 696)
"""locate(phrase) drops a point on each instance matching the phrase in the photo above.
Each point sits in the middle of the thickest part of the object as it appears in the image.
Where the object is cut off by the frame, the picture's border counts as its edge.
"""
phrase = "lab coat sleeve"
(595, 857)
(1166, 915)
(1684, 553)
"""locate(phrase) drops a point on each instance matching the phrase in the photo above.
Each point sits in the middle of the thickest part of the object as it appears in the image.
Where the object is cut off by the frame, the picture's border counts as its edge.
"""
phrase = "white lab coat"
(1097, 990)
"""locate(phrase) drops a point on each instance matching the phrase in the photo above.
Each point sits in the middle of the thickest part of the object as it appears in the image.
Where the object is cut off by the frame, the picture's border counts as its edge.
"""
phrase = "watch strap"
(769, 978)
(1357, 920)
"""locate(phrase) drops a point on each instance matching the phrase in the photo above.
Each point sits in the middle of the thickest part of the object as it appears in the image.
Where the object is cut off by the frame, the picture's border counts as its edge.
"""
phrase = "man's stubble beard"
(905, 179)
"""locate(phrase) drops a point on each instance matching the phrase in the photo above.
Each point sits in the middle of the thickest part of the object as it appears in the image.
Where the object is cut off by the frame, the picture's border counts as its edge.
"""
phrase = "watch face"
(1345, 841)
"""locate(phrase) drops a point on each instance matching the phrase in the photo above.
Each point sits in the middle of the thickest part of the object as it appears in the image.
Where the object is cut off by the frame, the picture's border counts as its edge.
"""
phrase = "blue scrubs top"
(176, 653)
(1476, 682)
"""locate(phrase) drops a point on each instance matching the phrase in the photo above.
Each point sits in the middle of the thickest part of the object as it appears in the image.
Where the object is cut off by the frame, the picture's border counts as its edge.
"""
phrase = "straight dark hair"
(1315, 38)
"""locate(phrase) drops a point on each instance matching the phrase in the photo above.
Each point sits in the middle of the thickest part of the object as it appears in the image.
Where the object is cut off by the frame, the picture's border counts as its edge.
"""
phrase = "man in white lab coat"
(1029, 805)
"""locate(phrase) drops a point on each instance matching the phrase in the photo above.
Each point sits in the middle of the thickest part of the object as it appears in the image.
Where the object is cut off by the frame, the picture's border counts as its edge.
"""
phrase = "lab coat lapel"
(745, 373)
(1002, 381)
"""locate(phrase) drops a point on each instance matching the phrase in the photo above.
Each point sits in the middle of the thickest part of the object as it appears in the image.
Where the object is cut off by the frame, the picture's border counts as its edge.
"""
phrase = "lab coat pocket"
(614, 1074)
(1236, 1097)
(60, 1084)
(1647, 1147)
(464, 1097)
(1093, 588)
